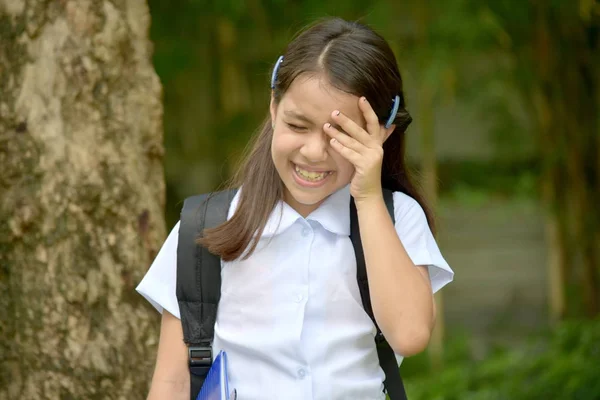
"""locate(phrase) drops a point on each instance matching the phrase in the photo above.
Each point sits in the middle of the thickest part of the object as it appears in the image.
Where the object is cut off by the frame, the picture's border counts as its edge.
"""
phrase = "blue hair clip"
(275, 70)
(392, 117)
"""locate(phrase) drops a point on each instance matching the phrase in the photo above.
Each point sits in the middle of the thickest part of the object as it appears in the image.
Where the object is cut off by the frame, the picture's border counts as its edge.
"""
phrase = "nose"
(314, 148)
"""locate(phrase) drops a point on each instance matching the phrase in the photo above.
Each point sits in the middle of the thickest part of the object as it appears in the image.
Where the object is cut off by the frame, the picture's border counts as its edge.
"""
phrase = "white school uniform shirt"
(290, 317)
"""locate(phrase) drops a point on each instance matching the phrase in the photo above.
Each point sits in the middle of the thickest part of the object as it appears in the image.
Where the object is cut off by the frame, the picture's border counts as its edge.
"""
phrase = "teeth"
(311, 176)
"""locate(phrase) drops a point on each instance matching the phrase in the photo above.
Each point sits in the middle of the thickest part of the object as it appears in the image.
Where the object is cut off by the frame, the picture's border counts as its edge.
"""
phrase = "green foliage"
(503, 179)
(563, 365)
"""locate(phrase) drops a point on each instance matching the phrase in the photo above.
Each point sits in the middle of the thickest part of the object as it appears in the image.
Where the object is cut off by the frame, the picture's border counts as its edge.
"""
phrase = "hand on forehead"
(313, 99)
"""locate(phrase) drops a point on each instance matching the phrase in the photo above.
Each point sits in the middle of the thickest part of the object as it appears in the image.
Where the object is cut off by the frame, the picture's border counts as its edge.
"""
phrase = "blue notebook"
(216, 384)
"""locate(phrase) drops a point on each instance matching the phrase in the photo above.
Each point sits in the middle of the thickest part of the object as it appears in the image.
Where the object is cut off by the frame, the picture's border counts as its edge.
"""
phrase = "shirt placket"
(303, 371)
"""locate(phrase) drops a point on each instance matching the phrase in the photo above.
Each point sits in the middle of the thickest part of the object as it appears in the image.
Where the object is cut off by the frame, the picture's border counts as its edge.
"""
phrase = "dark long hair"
(356, 60)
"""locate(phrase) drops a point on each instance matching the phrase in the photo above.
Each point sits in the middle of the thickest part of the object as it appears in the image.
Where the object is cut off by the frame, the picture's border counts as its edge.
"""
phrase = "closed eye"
(296, 128)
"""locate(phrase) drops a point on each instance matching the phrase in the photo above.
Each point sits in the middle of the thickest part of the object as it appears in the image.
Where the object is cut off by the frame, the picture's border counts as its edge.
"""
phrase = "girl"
(290, 315)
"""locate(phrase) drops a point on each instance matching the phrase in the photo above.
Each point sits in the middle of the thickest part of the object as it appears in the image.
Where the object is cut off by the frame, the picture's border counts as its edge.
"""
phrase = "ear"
(388, 132)
(273, 109)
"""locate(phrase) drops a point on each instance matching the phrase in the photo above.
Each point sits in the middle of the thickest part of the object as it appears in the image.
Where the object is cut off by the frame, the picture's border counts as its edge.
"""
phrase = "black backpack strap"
(393, 382)
(199, 280)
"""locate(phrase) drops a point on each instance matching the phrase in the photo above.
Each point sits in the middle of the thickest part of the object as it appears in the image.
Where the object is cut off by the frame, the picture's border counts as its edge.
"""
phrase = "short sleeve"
(413, 230)
(159, 284)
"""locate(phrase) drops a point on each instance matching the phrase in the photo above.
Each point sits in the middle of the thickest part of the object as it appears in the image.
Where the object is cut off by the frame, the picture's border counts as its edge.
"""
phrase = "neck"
(303, 209)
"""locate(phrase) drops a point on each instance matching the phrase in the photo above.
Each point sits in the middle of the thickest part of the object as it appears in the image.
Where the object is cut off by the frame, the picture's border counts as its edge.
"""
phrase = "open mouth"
(310, 178)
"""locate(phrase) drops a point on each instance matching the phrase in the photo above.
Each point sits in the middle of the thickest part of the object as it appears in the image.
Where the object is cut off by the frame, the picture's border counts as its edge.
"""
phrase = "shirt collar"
(333, 214)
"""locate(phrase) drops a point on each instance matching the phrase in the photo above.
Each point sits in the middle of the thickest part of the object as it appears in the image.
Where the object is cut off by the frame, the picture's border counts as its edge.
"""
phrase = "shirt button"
(299, 298)
(305, 232)
(301, 373)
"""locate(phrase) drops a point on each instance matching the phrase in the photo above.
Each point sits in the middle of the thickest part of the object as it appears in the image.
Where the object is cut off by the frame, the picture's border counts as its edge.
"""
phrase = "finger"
(345, 152)
(351, 127)
(344, 139)
(373, 126)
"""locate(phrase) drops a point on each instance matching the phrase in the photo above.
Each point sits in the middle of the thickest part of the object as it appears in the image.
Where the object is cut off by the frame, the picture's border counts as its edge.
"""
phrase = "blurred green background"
(505, 97)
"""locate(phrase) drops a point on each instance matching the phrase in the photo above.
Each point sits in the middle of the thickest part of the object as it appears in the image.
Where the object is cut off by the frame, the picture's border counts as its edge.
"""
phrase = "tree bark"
(81, 198)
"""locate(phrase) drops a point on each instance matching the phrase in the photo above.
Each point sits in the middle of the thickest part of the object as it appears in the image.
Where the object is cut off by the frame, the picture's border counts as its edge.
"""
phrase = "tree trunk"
(429, 169)
(557, 255)
(82, 197)
(565, 67)
(430, 186)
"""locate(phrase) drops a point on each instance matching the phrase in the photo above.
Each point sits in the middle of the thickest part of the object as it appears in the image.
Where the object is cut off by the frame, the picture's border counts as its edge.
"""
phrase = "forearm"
(178, 389)
(171, 379)
(400, 293)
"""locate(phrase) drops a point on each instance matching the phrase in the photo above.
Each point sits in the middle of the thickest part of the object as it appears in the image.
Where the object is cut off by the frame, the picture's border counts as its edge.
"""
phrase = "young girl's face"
(309, 167)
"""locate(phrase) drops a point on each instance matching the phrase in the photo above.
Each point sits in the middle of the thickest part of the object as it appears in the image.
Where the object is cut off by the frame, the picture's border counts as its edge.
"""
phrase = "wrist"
(372, 201)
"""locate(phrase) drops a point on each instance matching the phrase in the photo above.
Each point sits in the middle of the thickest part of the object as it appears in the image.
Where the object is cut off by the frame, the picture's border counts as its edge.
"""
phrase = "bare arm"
(171, 378)
(400, 291)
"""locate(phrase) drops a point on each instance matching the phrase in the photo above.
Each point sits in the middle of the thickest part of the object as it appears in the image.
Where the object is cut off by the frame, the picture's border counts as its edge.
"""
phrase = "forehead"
(316, 98)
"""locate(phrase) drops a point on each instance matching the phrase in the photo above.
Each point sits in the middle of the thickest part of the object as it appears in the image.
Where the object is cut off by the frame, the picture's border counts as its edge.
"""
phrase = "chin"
(305, 194)
(309, 199)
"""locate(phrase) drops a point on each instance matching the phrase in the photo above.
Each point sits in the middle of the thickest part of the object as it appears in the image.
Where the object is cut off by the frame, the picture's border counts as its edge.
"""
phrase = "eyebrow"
(297, 115)
(304, 118)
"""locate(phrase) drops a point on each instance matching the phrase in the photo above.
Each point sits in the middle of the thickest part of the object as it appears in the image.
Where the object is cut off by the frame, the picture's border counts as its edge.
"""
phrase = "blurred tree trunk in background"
(82, 197)
(430, 186)
(548, 52)
(561, 49)
(429, 68)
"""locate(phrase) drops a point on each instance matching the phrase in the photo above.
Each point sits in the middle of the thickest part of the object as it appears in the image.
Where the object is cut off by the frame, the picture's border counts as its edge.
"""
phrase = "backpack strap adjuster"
(379, 338)
(200, 359)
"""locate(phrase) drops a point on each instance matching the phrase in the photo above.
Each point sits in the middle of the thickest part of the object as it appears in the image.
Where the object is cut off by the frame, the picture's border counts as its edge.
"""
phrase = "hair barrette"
(275, 71)
(392, 117)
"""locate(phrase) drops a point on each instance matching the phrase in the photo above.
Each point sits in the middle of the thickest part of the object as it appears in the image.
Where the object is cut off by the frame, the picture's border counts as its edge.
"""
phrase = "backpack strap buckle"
(200, 359)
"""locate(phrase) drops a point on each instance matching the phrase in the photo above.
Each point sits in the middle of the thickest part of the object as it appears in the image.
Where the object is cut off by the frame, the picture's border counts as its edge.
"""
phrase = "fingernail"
(333, 140)
(336, 113)
(328, 125)
(364, 99)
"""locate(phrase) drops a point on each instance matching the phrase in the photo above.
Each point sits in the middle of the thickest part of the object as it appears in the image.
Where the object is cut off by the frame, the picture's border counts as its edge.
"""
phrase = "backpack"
(199, 287)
